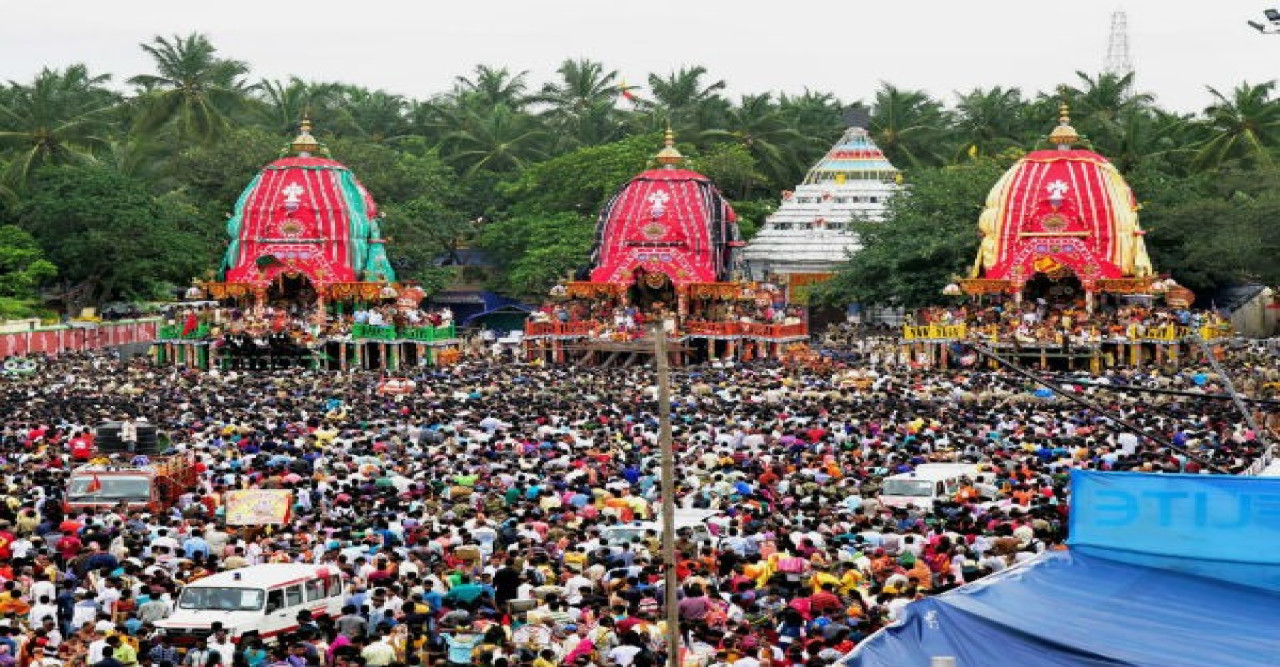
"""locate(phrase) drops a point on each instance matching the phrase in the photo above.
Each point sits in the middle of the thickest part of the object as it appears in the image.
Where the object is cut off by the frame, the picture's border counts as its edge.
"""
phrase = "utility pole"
(666, 451)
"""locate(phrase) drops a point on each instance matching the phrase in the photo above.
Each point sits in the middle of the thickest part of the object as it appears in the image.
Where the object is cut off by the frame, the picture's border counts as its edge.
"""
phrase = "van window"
(275, 600)
(905, 487)
(315, 589)
(335, 586)
(220, 598)
(293, 595)
(938, 492)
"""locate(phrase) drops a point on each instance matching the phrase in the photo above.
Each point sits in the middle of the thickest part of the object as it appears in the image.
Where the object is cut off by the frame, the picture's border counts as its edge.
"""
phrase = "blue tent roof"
(493, 303)
(1065, 608)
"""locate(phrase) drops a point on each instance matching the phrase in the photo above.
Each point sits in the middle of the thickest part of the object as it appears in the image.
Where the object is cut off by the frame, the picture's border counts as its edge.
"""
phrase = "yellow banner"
(935, 332)
(258, 507)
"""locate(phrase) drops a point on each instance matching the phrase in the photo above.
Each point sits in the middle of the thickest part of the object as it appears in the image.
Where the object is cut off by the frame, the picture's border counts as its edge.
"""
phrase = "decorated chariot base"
(667, 258)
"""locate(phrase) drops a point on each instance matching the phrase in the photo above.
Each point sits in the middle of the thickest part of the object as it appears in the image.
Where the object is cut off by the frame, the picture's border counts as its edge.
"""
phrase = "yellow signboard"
(934, 332)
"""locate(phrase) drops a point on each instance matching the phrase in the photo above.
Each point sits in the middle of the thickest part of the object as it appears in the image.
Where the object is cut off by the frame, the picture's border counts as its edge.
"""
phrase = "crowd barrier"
(78, 337)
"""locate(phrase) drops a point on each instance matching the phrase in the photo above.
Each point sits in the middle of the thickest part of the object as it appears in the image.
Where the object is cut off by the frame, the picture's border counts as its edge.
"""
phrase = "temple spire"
(304, 145)
(1063, 136)
(669, 157)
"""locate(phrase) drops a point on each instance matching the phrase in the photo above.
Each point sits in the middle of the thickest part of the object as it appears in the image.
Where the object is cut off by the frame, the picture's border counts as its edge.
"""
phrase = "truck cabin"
(109, 487)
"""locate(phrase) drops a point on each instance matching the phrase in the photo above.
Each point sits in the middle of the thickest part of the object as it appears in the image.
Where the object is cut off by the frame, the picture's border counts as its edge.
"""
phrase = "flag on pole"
(95, 484)
(626, 92)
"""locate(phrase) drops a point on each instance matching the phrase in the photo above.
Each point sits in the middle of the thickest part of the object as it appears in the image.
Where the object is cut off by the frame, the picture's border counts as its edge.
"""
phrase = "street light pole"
(666, 451)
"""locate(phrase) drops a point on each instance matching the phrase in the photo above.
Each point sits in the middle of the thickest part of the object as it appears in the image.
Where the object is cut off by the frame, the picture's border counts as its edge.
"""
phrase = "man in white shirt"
(379, 653)
(42, 609)
(574, 587)
(43, 588)
(84, 611)
(222, 643)
(108, 595)
(97, 648)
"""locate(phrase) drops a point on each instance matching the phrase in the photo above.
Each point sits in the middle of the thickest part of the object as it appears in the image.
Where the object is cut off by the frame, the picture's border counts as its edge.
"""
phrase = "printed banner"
(258, 507)
(1217, 526)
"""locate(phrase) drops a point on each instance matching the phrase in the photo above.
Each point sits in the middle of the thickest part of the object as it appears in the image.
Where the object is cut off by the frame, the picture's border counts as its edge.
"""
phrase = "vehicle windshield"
(222, 599)
(112, 488)
(907, 487)
(623, 535)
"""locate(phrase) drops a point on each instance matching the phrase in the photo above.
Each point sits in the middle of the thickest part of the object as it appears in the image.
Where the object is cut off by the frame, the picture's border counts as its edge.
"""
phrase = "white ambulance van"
(257, 601)
(927, 483)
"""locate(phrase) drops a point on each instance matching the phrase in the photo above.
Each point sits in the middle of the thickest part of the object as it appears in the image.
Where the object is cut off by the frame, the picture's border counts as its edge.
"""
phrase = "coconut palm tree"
(1243, 125)
(62, 116)
(685, 100)
(759, 125)
(279, 105)
(580, 106)
(814, 114)
(1153, 136)
(908, 126)
(375, 115)
(492, 86)
(500, 140)
(1100, 105)
(192, 87)
(990, 120)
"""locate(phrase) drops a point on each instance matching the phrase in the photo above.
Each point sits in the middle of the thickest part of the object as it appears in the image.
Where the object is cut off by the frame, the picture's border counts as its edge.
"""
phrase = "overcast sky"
(416, 47)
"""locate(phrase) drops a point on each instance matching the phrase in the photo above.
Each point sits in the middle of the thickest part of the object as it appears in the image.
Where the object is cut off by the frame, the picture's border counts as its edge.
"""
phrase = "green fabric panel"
(370, 258)
(359, 221)
(233, 229)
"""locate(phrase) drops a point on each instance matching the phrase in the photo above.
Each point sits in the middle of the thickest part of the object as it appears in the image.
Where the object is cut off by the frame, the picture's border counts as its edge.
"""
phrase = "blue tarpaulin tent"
(1165, 570)
(1069, 609)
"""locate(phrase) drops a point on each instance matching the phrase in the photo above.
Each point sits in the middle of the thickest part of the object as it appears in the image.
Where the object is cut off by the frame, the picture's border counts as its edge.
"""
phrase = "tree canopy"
(519, 166)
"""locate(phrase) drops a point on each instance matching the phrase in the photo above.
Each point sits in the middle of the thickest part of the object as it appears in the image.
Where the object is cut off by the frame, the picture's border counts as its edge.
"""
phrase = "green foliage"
(1243, 126)
(908, 125)
(751, 215)
(538, 249)
(1223, 234)
(20, 309)
(582, 180)
(212, 177)
(23, 267)
(423, 230)
(106, 229)
(731, 167)
(192, 88)
(392, 175)
(929, 236)
(60, 118)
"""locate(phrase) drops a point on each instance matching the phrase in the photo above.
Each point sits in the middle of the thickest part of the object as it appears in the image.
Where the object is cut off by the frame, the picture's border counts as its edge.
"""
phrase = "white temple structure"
(809, 236)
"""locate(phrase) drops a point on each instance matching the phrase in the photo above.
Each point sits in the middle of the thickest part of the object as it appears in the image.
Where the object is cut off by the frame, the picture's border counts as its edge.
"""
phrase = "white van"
(260, 600)
(693, 520)
(927, 483)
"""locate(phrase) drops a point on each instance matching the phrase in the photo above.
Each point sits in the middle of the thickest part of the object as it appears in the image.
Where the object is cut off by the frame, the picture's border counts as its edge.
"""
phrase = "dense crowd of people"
(472, 517)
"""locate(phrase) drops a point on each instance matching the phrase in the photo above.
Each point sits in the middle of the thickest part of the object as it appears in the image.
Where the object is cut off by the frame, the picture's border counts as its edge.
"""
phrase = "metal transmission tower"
(1118, 61)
